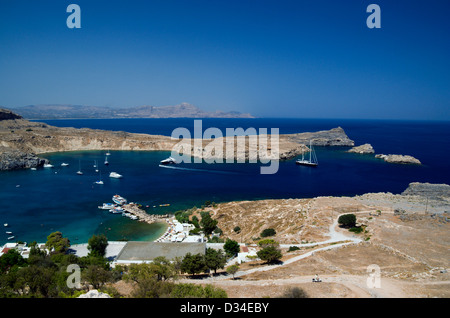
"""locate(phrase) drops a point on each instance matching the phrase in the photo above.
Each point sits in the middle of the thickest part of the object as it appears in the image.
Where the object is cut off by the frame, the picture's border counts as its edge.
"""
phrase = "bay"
(36, 203)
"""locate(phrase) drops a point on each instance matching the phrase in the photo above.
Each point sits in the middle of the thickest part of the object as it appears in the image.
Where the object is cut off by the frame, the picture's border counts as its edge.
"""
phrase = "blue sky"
(310, 59)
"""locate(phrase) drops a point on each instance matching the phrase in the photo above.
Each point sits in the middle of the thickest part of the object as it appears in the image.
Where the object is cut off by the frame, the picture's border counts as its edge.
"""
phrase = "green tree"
(97, 245)
(40, 280)
(96, 275)
(347, 220)
(207, 223)
(193, 264)
(56, 243)
(231, 247)
(163, 268)
(270, 254)
(10, 259)
(232, 269)
(215, 259)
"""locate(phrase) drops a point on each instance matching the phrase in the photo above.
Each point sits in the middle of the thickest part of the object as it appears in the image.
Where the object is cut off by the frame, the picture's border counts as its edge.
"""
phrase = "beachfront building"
(22, 248)
(146, 252)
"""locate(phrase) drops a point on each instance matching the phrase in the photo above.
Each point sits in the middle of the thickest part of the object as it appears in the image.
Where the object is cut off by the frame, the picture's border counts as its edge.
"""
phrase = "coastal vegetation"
(44, 274)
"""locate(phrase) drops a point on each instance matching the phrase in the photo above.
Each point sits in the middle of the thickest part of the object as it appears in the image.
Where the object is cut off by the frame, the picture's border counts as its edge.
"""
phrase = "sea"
(35, 203)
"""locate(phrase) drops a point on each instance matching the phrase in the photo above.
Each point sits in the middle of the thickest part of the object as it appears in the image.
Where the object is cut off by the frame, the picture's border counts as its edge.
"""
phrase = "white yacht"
(64, 164)
(115, 175)
(47, 165)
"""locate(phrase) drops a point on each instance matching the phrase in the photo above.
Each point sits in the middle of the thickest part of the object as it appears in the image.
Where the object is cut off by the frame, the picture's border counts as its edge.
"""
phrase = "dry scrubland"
(409, 241)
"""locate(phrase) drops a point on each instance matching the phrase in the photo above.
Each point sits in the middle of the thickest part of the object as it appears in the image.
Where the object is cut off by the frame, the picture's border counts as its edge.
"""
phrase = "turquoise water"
(36, 203)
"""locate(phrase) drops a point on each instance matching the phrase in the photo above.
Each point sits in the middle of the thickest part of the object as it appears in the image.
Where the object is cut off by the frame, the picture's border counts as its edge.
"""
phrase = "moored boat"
(117, 209)
(115, 175)
(107, 206)
(119, 200)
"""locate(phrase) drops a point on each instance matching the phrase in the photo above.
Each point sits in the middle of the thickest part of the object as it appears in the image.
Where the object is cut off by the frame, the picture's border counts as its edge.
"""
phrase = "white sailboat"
(99, 181)
(79, 172)
(312, 161)
(106, 161)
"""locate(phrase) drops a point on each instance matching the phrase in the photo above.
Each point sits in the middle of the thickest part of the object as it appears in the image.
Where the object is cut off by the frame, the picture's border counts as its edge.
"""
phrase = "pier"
(142, 215)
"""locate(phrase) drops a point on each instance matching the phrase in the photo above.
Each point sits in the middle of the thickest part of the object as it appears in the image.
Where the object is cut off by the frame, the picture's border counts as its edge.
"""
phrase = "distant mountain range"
(78, 111)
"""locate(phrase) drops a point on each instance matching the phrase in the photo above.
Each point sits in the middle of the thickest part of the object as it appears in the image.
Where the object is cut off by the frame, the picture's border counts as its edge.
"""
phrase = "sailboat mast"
(310, 150)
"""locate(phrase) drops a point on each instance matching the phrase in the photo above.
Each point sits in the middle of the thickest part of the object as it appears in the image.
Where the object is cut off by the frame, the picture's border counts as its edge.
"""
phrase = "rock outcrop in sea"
(400, 159)
(363, 149)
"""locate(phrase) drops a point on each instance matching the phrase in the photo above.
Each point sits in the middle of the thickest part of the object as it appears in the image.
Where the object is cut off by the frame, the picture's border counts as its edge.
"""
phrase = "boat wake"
(199, 170)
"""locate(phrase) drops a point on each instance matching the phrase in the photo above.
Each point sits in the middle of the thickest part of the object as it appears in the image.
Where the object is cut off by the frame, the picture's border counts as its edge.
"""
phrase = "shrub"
(356, 229)
(268, 232)
(293, 248)
(295, 292)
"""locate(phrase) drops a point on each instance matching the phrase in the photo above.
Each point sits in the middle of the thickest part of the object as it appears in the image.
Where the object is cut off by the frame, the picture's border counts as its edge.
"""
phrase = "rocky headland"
(21, 141)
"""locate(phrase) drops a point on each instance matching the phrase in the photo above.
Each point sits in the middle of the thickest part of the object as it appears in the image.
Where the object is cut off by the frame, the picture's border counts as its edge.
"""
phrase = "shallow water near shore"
(36, 203)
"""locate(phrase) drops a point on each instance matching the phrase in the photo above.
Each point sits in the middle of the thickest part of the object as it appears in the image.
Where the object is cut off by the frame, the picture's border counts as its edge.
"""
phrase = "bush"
(356, 229)
(268, 232)
(293, 248)
(267, 242)
(295, 292)
(197, 291)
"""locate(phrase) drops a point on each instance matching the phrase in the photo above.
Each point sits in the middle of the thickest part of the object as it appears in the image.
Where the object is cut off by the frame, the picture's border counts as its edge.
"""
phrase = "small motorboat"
(64, 164)
(107, 206)
(47, 165)
(11, 238)
(8, 232)
(168, 161)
